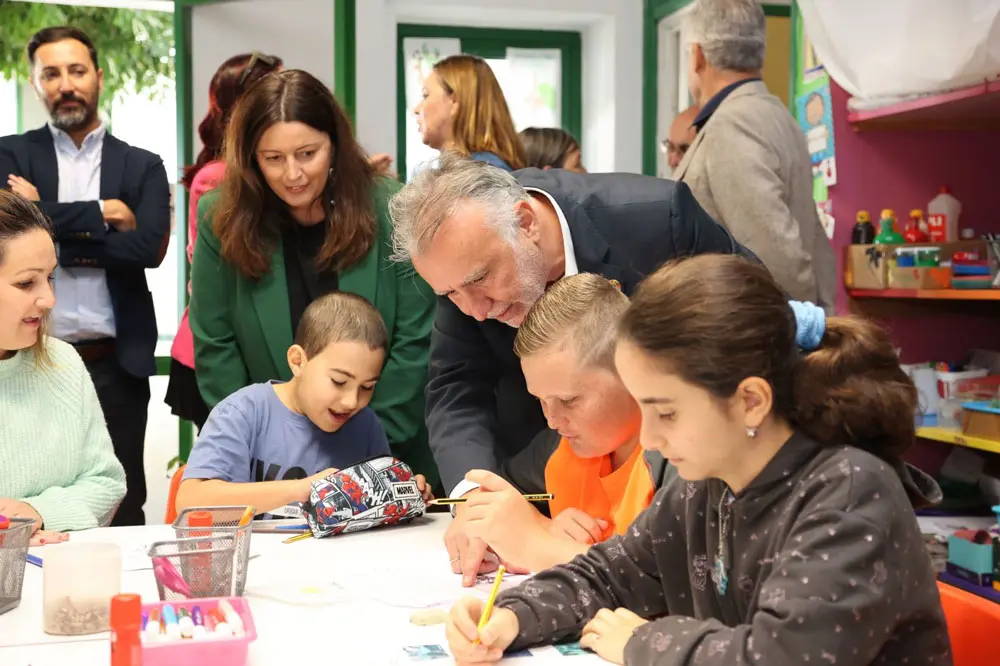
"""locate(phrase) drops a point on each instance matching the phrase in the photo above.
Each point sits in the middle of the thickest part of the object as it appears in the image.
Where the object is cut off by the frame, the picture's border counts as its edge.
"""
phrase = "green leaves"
(135, 48)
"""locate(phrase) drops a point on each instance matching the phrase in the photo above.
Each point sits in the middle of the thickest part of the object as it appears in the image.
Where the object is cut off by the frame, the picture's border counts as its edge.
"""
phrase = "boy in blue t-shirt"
(265, 444)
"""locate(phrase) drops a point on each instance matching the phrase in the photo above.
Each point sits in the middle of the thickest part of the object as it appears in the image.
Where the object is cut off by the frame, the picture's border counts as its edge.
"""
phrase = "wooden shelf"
(952, 436)
(937, 294)
(974, 108)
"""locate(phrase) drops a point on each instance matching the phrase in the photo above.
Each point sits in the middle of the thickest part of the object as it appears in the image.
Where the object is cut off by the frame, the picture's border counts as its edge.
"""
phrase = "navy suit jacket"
(132, 175)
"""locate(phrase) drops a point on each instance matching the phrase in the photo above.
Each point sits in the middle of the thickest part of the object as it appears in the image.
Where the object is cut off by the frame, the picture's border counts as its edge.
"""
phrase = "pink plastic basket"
(231, 651)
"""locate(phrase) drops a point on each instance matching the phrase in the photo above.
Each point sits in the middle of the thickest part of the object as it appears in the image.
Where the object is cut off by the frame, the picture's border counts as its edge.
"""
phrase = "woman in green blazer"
(301, 213)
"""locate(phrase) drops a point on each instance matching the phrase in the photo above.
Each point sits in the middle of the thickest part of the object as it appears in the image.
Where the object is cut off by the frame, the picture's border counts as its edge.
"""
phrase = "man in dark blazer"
(489, 243)
(110, 208)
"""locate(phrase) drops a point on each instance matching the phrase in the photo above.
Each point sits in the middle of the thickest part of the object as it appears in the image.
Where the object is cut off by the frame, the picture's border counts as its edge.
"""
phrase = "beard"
(532, 278)
(71, 119)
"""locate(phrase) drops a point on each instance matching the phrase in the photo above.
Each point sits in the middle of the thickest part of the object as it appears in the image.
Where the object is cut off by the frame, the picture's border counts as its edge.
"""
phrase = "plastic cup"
(78, 582)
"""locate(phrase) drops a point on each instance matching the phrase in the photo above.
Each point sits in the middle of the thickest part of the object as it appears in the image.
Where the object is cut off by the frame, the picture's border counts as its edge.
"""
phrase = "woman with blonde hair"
(59, 467)
(463, 109)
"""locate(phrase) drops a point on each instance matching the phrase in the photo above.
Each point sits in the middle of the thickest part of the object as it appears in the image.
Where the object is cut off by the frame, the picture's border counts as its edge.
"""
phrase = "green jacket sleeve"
(399, 398)
(219, 364)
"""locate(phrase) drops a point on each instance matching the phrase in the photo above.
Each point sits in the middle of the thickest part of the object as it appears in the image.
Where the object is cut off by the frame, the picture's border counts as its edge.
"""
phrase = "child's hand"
(308, 481)
(462, 631)
(609, 632)
(424, 487)
(579, 526)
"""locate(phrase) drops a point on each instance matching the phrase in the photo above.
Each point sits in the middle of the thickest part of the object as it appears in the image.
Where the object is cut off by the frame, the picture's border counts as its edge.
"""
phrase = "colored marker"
(199, 623)
(34, 559)
(186, 624)
(210, 622)
(151, 630)
(222, 628)
(173, 630)
(233, 618)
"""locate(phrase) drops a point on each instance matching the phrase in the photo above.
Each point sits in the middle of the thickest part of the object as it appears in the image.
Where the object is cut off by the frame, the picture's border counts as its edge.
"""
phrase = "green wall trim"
(778, 10)
(493, 43)
(18, 105)
(345, 54)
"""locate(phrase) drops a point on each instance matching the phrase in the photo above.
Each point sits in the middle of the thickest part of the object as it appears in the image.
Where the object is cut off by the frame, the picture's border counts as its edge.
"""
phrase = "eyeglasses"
(256, 57)
(668, 147)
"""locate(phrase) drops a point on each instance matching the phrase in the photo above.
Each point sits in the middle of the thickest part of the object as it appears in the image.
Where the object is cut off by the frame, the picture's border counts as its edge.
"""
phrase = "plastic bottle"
(126, 626)
(863, 232)
(943, 214)
(887, 234)
(914, 233)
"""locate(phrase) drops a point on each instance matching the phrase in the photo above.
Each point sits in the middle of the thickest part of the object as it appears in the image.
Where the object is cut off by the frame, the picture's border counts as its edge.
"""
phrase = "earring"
(329, 183)
(751, 432)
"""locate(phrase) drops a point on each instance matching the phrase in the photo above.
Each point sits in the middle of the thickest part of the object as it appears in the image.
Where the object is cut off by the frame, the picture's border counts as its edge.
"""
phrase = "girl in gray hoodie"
(787, 536)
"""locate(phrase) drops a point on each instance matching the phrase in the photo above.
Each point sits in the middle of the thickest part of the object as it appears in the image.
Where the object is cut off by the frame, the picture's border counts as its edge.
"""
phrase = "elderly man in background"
(749, 166)
(680, 136)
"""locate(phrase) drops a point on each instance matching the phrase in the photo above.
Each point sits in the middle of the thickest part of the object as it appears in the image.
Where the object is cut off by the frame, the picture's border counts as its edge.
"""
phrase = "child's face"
(589, 406)
(700, 435)
(335, 384)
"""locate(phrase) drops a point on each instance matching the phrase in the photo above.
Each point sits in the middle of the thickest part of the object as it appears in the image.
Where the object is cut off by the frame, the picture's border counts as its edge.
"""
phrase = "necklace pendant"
(721, 579)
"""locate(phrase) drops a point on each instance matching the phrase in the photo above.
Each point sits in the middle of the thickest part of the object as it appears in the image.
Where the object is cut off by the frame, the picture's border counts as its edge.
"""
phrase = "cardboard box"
(866, 266)
(919, 277)
(981, 420)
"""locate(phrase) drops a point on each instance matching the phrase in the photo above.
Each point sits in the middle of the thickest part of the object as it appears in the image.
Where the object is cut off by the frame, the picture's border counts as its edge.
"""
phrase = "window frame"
(493, 43)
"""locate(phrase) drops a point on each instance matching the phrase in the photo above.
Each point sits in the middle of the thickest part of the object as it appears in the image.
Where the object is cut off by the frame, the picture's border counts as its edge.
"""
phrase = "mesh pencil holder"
(221, 521)
(13, 548)
(194, 568)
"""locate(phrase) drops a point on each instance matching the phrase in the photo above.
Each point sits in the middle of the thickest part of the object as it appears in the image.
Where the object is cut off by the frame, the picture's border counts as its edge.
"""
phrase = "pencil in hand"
(541, 497)
(488, 610)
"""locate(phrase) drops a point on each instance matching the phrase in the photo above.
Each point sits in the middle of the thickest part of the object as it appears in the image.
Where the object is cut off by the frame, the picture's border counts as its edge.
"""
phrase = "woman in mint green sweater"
(58, 464)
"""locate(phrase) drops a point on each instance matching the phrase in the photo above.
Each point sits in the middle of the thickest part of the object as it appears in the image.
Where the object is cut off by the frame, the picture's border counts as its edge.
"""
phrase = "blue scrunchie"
(810, 323)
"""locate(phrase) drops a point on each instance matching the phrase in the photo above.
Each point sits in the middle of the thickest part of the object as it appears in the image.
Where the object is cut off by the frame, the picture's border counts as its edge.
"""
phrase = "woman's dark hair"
(716, 320)
(547, 146)
(248, 235)
(18, 216)
(230, 81)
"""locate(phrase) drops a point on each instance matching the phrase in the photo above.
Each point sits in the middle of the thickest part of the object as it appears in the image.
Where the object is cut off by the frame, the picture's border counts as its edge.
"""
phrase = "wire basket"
(194, 568)
(13, 551)
(222, 521)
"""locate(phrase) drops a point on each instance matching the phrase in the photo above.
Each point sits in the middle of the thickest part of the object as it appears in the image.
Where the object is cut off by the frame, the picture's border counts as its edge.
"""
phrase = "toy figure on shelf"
(887, 234)
(914, 231)
(863, 232)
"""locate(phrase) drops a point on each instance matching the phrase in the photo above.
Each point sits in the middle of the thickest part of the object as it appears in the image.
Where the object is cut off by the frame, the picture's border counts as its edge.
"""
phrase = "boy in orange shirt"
(596, 473)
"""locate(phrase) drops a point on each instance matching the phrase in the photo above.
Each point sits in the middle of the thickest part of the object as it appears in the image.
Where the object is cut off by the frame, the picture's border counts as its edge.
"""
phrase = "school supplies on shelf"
(197, 632)
(539, 497)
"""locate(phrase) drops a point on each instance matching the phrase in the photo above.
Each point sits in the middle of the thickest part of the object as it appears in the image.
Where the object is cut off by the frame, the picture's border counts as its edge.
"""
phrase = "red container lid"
(200, 519)
(126, 611)
(4, 522)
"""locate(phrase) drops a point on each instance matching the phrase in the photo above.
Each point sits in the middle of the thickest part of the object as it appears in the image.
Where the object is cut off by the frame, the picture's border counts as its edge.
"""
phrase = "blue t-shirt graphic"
(252, 436)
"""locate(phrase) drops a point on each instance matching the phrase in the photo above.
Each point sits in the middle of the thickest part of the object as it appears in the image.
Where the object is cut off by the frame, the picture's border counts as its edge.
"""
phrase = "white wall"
(300, 32)
(612, 65)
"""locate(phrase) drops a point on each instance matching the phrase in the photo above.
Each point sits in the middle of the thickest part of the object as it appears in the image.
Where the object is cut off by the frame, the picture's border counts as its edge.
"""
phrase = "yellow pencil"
(247, 516)
(298, 537)
(485, 617)
(541, 497)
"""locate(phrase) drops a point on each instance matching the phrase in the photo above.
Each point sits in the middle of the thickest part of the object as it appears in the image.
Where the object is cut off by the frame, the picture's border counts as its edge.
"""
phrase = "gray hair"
(421, 207)
(731, 33)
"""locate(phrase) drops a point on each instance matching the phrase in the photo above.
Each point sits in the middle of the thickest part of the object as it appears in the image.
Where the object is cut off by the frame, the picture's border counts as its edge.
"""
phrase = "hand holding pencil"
(477, 632)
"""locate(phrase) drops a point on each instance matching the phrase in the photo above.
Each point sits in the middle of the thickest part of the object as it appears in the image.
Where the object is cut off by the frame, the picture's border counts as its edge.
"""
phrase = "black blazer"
(137, 178)
(624, 227)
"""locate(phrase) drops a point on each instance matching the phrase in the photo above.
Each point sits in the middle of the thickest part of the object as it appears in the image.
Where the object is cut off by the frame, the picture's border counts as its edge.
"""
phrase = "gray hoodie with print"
(824, 559)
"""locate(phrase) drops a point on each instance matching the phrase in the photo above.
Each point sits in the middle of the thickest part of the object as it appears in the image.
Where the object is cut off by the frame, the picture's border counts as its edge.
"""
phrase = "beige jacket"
(749, 168)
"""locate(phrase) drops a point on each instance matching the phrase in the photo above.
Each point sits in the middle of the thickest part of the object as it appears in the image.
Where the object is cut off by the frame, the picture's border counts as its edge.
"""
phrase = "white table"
(307, 598)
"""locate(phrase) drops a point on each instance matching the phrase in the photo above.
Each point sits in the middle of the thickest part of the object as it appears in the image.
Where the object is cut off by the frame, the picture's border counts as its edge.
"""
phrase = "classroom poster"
(815, 113)
(812, 67)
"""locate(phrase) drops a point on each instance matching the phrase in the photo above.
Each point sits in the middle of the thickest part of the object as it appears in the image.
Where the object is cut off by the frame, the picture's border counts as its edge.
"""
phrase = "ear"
(297, 359)
(100, 81)
(527, 220)
(697, 58)
(754, 401)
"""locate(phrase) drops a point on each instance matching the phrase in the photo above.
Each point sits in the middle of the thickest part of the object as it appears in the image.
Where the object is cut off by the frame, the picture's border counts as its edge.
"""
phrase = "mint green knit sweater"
(55, 451)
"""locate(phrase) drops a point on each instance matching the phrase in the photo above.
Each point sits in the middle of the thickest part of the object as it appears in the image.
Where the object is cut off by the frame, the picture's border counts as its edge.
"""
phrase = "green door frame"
(345, 73)
(654, 11)
(493, 43)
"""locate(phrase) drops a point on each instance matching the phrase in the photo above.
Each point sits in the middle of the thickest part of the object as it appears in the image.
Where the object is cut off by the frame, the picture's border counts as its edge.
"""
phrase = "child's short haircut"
(340, 317)
(582, 310)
